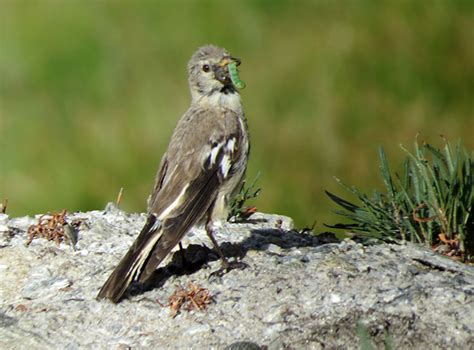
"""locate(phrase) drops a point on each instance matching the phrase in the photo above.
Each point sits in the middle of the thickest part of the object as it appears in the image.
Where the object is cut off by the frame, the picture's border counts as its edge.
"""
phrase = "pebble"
(272, 248)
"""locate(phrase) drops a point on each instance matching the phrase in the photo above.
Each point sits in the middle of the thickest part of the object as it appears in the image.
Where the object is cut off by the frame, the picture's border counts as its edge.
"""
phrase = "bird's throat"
(228, 100)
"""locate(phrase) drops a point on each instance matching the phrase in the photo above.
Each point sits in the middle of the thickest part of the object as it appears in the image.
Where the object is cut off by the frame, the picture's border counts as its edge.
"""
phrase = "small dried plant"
(192, 298)
(49, 226)
(54, 227)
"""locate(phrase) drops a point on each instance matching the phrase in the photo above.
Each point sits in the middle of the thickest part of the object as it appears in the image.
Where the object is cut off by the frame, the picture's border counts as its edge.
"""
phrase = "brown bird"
(201, 171)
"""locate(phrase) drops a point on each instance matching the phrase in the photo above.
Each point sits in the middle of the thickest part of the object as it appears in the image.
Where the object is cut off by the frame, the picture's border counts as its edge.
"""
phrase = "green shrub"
(238, 211)
(431, 202)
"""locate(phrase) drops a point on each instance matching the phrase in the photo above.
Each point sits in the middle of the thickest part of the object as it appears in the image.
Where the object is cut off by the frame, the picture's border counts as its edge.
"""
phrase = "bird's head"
(209, 73)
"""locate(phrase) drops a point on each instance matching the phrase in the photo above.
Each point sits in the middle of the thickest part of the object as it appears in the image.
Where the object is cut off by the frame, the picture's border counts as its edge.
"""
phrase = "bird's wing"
(199, 158)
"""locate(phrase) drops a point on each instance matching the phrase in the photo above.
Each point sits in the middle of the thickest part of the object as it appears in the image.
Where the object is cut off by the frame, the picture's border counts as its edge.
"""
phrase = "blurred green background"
(91, 91)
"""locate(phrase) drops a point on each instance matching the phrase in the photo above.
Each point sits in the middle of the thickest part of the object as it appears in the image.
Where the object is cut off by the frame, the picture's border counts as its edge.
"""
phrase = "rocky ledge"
(298, 291)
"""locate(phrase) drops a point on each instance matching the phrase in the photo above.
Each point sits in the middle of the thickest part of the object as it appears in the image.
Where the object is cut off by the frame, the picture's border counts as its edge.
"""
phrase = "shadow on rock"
(195, 257)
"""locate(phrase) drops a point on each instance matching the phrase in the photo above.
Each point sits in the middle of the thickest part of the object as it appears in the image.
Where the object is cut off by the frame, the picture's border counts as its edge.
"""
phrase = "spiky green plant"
(431, 201)
(238, 210)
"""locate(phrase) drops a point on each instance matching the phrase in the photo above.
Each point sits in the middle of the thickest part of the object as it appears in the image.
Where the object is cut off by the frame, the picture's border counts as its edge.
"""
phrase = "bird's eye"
(206, 68)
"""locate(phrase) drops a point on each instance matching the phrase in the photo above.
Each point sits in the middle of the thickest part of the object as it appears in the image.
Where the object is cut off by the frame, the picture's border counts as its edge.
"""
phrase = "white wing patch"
(225, 149)
(230, 145)
(225, 165)
(214, 152)
(225, 162)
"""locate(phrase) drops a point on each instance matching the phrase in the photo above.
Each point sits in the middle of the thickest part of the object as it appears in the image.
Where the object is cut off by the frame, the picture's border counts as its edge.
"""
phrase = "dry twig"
(50, 227)
(119, 197)
(194, 297)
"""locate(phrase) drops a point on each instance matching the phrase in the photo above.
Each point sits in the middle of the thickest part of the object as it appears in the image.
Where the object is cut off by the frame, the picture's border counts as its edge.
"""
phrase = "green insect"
(234, 76)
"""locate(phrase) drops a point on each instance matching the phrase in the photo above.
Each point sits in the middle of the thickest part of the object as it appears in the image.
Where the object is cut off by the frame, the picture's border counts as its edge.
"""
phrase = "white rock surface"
(298, 292)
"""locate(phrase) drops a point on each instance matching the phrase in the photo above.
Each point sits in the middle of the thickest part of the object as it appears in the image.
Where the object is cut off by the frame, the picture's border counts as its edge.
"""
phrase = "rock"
(298, 291)
(273, 248)
(41, 284)
(3, 218)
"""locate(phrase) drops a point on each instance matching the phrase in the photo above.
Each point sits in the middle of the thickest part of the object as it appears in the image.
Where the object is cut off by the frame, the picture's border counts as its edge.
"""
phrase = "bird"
(200, 173)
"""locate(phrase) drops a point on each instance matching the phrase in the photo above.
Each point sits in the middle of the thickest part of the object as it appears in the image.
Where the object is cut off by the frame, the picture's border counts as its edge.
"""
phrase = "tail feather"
(157, 239)
(119, 280)
(200, 196)
(131, 264)
(153, 244)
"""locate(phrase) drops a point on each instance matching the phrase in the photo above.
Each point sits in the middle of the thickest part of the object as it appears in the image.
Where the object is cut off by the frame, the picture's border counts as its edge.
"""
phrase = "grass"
(90, 92)
(431, 201)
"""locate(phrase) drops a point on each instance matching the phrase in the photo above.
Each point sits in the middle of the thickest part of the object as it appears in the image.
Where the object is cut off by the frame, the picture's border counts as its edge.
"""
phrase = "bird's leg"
(226, 265)
(183, 256)
(210, 231)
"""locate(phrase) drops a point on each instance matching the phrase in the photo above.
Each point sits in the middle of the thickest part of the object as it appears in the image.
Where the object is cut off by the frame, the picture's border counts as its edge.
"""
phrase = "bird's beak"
(226, 60)
(222, 72)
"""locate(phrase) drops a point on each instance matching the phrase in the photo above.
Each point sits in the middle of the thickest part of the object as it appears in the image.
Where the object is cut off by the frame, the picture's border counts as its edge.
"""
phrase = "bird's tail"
(157, 239)
(132, 263)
